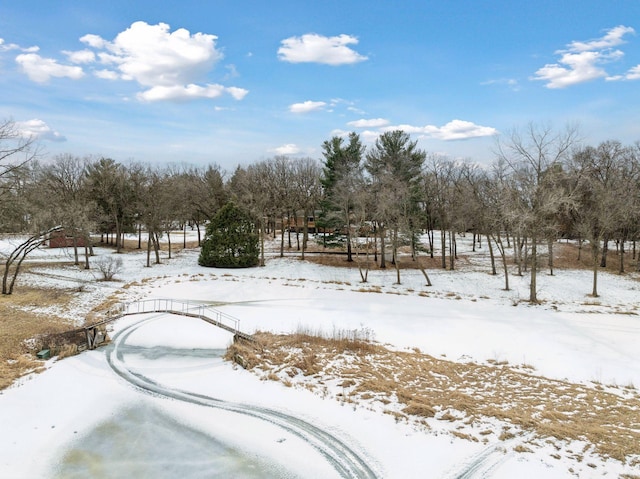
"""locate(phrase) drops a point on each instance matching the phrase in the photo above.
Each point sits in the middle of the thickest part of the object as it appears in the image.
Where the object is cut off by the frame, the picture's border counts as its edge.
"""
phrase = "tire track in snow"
(482, 464)
(343, 459)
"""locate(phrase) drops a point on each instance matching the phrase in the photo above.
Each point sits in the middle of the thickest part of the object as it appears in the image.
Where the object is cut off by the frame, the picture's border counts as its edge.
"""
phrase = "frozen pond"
(142, 441)
(180, 427)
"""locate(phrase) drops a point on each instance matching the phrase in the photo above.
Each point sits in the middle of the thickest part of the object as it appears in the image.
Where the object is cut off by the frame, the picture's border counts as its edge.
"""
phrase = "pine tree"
(231, 240)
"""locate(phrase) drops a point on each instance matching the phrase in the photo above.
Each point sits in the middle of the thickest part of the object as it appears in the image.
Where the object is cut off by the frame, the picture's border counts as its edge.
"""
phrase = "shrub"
(231, 240)
(109, 267)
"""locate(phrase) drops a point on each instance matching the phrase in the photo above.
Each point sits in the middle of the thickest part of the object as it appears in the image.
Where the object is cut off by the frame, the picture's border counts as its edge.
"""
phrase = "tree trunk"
(282, 240)
(579, 249)
(375, 243)
(262, 234)
(517, 254)
(76, 256)
(452, 252)
(118, 242)
(383, 261)
(605, 251)
(169, 243)
(431, 241)
(396, 260)
(533, 288)
(443, 246)
(595, 257)
(423, 270)
(17, 256)
(148, 250)
(550, 248)
(86, 254)
(156, 247)
(503, 255)
(364, 272)
(305, 233)
(493, 258)
(621, 269)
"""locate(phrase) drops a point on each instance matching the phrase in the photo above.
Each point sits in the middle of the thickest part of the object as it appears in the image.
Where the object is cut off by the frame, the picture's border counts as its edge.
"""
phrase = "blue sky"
(234, 82)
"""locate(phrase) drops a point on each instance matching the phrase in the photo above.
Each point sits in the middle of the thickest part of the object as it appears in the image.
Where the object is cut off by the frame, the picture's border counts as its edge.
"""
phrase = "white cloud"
(4, 47)
(38, 129)
(288, 149)
(106, 74)
(94, 41)
(307, 106)
(611, 39)
(371, 123)
(369, 136)
(153, 56)
(41, 70)
(169, 65)
(314, 48)
(237, 93)
(188, 92)
(633, 74)
(454, 130)
(81, 56)
(582, 61)
(580, 67)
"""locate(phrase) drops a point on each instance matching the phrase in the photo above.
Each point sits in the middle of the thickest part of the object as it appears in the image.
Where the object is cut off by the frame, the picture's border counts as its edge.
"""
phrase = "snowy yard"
(160, 402)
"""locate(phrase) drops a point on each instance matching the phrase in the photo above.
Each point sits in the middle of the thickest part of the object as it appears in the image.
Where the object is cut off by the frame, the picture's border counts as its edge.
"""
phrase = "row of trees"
(542, 185)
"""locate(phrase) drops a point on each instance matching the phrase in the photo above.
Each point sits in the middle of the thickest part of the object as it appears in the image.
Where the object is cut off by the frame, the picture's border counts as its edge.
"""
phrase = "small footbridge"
(95, 331)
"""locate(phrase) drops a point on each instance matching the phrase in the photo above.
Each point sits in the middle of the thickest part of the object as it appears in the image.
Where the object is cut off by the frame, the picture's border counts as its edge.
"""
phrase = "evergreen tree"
(341, 180)
(231, 240)
(395, 166)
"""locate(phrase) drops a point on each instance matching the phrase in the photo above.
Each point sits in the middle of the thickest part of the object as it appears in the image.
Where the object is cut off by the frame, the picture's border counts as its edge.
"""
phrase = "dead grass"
(565, 256)
(340, 260)
(426, 387)
(23, 331)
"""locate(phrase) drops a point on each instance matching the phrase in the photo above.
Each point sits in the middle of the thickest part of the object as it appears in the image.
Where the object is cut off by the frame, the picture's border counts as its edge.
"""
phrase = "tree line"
(543, 184)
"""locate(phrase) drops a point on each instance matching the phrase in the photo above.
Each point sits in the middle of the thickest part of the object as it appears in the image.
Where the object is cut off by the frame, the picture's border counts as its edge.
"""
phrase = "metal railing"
(187, 308)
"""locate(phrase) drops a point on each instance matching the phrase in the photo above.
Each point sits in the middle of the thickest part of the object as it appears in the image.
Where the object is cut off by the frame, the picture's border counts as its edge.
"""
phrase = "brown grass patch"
(565, 256)
(23, 332)
(426, 387)
(340, 260)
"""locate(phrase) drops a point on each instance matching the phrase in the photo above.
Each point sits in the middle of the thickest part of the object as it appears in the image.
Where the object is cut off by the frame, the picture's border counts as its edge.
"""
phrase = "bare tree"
(438, 192)
(535, 157)
(307, 190)
(204, 194)
(60, 192)
(251, 189)
(14, 260)
(16, 152)
(112, 188)
(601, 184)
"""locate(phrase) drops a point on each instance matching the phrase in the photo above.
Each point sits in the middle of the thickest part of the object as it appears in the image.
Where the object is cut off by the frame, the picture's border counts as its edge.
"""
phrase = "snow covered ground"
(160, 402)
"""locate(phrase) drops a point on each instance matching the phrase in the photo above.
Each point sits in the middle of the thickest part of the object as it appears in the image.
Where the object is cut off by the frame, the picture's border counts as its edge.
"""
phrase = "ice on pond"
(142, 441)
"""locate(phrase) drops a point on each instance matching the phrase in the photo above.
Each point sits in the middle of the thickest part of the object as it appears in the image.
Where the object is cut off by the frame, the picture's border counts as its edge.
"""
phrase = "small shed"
(60, 239)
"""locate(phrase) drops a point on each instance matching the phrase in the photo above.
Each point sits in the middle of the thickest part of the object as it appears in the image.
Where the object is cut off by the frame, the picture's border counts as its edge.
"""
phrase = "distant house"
(60, 239)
